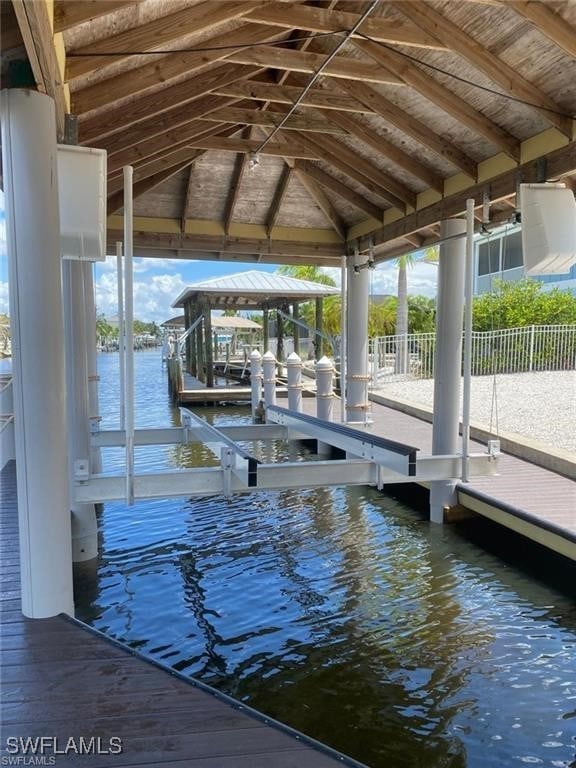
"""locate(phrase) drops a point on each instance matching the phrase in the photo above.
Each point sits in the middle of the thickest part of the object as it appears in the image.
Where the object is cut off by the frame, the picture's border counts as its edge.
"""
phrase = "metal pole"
(343, 336)
(357, 404)
(129, 305)
(468, 296)
(448, 360)
(121, 335)
(93, 378)
(39, 384)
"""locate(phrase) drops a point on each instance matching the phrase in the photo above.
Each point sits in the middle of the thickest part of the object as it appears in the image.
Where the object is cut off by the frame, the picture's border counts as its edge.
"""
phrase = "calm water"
(338, 611)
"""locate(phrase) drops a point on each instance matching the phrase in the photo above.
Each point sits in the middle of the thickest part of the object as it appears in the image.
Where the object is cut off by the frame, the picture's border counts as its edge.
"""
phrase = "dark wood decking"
(61, 679)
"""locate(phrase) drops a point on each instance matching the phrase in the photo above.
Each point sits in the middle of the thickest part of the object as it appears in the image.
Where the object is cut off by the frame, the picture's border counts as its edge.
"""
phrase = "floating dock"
(62, 678)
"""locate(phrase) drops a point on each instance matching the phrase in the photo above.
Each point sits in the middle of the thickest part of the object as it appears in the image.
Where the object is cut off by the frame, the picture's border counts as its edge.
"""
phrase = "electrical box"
(548, 228)
(82, 195)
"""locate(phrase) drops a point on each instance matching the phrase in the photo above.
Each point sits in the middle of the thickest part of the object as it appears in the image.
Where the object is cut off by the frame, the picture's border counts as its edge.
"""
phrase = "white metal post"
(256, 380)
(39, 384)
(448, 358)
(129, 335)
(294, 369)
(343, 337)
(84, 525)
(325, 389)
(357, 403)
(269, 366)
(93, 378)
(468, 296)
(121, 334)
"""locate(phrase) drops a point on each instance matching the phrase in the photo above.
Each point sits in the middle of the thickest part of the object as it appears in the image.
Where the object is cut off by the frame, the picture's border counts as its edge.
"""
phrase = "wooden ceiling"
(427, 103)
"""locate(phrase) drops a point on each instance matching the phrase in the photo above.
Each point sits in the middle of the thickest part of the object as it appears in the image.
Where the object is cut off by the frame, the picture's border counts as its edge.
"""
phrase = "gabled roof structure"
(222, 322)
(425, 103)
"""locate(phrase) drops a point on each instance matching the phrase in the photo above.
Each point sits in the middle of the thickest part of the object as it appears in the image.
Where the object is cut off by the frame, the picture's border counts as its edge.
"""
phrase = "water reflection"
(342, 613)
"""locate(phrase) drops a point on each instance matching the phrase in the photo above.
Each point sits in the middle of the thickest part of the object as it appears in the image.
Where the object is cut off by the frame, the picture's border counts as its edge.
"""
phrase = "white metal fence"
(510, 350)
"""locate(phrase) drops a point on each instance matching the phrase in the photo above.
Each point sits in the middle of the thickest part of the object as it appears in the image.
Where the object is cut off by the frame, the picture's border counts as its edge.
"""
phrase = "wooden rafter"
(156, 34)
(411, 126)
(377, 142)
(322, 202)
(240, 165)
(151, 111)
(438, 94)
(321, 20)
(299, 122)
(304, 61)
(166, 68)
(286, 94)
(346, 193)
(274, 148)
(496, 69)
(69, 13)
(549, 23)
(278, 199)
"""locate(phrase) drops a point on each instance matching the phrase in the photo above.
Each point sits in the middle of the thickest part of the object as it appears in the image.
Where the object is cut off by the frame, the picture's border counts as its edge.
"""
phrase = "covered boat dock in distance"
(253, 291)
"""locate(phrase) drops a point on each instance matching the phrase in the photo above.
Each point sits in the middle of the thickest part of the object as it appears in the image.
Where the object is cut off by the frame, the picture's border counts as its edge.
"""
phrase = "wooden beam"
(558, 163)
(155, 34)
(346, 193)
(286, 94)
(10, 35)
(147, 109)
(442, 97)
(168, 67)
(411, 126)
(340, 156)
(278, 199)
(187, 199)
(322, 202)
(301, 122)
(496, 69)
(69, 13)
(304, 61)
(321, 20)
(550, 23)
(36, 29)
(240, 165)
(402, 159)
(276, 148)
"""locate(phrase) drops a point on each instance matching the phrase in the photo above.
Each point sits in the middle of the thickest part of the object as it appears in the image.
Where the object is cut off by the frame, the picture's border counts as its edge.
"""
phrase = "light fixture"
(254, 160)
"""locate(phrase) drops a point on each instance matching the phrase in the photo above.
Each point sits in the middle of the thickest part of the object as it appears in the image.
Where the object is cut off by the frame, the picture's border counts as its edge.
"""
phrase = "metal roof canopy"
(253, 290)
(229, 323)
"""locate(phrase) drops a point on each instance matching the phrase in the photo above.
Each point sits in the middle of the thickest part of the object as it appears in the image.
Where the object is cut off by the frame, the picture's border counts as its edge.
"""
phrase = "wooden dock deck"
(62, 679)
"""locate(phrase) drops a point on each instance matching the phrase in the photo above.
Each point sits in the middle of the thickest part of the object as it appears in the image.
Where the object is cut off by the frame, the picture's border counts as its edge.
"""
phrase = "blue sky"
(157, 282)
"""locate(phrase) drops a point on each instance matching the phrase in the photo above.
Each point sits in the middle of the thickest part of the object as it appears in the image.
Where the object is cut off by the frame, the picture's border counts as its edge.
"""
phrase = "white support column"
(93, 378)
(84, 526)
(325, 389)
(33, 240)
(256, 380)
(269, 366)
(294, 368)
(357, 377)
(448, 358)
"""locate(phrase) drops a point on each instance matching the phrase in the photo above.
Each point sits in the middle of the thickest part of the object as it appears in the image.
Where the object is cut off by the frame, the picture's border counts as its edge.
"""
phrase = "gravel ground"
(540, 406)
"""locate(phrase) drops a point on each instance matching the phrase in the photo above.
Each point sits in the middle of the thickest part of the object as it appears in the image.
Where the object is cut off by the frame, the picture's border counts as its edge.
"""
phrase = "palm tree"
(304, 272)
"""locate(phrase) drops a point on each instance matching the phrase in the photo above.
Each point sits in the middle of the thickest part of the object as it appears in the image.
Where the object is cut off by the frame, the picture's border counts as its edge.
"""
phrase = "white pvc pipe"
(269, 366)
(255, 380)
(325, 389)
(468, 296)
(357, 403)
(343, 338)
(294, 369)
(93, 378)
(39, 384)
(129, 319)
(121, 335)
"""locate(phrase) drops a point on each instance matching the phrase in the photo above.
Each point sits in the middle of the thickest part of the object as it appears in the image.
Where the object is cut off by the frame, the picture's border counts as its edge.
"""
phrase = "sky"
(157, 282)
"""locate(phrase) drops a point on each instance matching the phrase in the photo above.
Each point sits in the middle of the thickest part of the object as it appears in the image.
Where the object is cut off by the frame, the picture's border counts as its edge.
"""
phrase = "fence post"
(531, 362)
(294, 367)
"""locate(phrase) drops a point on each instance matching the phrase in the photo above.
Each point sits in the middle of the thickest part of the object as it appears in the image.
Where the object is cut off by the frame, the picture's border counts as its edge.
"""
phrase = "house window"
(489, 257)
(512, 251)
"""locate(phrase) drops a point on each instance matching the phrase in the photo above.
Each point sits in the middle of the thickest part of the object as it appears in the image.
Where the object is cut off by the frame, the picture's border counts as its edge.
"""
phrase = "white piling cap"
(293, 359)
(255, 355)
(325, 364)
(269, 356)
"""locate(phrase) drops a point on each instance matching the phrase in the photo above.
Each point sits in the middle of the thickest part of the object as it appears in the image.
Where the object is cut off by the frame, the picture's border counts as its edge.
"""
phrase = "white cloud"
(422, 278)
(4, 297)
(152, 295)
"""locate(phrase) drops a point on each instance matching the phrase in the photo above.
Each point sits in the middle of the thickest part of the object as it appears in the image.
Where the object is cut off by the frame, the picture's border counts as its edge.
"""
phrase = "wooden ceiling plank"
(320, 20)
(286, 94)
(322, 202)
(411, 126)
(156, 34)
(70, 13)
(336, 186)
(497, 70)
(240, 166)
(402, 159)
(144, 109)
(304, 61)
(301, 122)
(166, 68)
(276, 149)
(36, 29)
(442, 97)
(187, 199)
(396, 192)
(278, 199)
(550, 23)
(10, 35)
